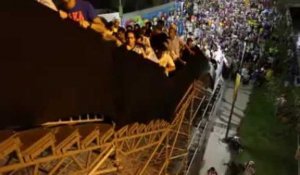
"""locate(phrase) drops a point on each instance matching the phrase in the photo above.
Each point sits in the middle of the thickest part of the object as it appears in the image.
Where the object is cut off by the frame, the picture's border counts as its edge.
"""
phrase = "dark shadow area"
(295, 12)
(51, 69)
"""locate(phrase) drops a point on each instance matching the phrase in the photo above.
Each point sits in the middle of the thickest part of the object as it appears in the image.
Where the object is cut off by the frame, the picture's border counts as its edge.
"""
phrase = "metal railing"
(208, 126)
(73, 121)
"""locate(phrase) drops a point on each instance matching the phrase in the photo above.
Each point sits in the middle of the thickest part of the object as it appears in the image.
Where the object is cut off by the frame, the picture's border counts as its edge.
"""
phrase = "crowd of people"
(158, 43)
(239, 28)
(230, 31)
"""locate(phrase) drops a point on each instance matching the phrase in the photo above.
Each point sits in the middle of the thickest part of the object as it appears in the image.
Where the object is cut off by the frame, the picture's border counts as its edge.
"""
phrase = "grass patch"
(268, 142)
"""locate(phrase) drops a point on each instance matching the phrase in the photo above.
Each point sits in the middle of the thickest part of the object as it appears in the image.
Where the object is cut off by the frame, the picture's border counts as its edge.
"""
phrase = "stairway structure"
(92, 147)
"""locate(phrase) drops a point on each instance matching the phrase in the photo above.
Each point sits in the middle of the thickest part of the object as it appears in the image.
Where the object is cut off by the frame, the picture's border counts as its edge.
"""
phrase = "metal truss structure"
(91, 147)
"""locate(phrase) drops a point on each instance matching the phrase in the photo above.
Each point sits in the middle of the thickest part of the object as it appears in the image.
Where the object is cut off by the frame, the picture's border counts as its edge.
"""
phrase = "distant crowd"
(240, 28)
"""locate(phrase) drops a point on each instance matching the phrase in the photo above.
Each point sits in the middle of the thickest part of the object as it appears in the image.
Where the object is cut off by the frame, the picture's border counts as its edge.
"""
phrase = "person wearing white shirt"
(148, 51)
(175, 44)
(197, 32)
(189, 26)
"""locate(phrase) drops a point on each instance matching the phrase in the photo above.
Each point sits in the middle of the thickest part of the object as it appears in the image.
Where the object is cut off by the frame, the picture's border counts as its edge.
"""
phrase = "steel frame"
(158, 147)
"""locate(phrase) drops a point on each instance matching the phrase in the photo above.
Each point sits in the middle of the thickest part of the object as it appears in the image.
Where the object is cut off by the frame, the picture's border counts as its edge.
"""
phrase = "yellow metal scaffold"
(95, 148)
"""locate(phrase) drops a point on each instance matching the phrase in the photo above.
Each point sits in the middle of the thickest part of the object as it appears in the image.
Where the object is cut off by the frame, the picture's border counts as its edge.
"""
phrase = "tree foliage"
(285, 97)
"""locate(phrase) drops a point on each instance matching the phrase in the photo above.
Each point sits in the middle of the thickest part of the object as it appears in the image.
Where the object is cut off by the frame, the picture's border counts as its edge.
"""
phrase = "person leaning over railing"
(81, 12)
(143, 40)
(159, 43)
(175, 44)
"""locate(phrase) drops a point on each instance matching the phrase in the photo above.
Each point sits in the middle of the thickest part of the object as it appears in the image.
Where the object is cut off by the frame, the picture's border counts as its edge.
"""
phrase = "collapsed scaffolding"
(91, 147)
